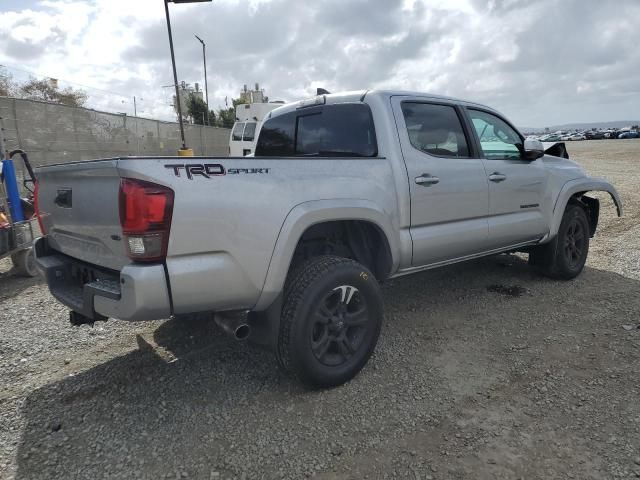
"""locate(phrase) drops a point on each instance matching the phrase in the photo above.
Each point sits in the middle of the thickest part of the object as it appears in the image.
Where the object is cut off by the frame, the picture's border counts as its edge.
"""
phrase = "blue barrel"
(13, 193)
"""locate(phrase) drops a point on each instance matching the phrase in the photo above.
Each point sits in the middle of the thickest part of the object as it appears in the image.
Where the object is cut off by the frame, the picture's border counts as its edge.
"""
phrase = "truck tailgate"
(78, 203)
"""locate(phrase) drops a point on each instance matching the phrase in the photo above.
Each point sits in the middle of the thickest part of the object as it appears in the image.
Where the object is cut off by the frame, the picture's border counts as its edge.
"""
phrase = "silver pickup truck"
(289, 247)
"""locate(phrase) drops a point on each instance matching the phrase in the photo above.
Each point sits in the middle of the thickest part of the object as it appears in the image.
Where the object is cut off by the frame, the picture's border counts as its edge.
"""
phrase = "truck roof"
(254, 111)
(360, 95)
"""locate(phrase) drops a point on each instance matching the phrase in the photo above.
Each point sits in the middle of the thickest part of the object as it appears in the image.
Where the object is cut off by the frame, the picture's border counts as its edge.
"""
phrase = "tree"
(48, 91)
(227, 116)
(224, 117)
(7, 86)
(197, 110)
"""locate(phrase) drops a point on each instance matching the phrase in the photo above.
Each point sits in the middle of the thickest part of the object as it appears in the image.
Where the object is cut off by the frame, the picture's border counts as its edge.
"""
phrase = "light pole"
(206, 85)
(183, 150)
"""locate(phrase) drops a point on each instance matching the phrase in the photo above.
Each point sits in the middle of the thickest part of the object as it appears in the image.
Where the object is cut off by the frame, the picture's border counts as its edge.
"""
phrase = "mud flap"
(265, 326)
(543, 255)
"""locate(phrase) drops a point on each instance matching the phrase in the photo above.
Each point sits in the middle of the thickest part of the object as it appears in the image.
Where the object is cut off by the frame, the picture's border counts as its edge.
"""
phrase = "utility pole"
(184, 151)
(175, 75)
(135, 115)
(206, 85)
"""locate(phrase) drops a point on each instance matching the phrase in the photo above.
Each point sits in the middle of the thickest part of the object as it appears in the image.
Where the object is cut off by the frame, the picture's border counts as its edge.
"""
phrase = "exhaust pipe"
(234, 324)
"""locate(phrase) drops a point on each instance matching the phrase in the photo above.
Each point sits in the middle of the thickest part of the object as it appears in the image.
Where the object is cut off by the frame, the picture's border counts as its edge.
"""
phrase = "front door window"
(497, 139)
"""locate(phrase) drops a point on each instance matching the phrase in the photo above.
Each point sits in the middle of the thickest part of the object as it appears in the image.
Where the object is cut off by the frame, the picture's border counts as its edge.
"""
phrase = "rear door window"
(340, 130)
(236, 134)
(435, 129)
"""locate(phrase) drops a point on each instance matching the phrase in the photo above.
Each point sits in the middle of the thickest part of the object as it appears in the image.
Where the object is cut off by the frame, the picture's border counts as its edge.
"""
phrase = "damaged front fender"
(575, 189)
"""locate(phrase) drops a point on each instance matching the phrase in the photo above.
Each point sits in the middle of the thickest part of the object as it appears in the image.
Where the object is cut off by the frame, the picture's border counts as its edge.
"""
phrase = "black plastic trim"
(60, 271)
(168, 281)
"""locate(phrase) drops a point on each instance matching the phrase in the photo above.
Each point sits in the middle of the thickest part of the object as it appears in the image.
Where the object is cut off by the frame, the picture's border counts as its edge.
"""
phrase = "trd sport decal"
(208, 170)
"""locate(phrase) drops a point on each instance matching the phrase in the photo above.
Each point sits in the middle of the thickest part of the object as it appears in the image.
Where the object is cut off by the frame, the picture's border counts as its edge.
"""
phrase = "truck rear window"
(340, 130)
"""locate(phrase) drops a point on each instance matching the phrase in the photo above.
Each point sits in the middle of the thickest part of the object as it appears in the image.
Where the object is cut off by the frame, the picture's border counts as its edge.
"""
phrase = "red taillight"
(37, 208)
(145, 216)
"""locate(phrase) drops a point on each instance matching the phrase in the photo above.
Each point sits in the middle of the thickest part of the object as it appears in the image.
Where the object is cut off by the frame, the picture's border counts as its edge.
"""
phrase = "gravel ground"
(483, 370)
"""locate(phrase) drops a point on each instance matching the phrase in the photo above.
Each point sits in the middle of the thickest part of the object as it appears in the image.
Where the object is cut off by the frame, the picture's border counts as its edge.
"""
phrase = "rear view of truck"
(288, 245)
(106, 239)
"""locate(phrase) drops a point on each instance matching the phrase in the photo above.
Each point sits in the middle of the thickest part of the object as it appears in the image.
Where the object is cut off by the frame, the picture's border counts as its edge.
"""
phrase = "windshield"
(236, 134)
(249, 132)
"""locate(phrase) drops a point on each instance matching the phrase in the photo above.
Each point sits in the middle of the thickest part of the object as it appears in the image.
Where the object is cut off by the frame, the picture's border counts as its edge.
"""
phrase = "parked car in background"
(611, 134)
(629, 135)
(594, 135)
(550, 138)
(577, 137)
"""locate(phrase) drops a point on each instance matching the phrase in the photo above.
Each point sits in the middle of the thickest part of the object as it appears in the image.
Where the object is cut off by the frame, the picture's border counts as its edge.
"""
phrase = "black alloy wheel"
(574, 243)
(340, 323)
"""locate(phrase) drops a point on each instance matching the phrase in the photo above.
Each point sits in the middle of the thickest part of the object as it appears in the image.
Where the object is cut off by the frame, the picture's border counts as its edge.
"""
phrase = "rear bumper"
(137, 292)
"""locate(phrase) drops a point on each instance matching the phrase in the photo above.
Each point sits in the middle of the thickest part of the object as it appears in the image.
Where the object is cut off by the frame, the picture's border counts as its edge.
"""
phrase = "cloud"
(541, 63)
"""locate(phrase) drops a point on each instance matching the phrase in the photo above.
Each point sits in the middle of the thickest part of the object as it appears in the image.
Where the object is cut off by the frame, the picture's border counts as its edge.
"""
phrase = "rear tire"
(564, 257)
(330, 322)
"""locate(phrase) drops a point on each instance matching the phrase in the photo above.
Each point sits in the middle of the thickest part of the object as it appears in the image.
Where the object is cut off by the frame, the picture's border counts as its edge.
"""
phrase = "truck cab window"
(277, 136)
(236, 134)
(497, 139)
(435, 129)
(339, 130)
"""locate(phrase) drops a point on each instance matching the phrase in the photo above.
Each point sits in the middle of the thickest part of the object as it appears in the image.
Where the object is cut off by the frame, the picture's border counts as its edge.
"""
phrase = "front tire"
(330, 322)
(564, 257)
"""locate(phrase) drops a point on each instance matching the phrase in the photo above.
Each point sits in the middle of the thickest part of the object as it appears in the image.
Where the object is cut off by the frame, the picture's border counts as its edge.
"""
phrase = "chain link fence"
(52, 133)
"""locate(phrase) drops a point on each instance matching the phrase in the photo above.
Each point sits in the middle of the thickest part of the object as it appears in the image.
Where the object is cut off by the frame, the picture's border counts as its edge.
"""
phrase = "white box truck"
(249, 118)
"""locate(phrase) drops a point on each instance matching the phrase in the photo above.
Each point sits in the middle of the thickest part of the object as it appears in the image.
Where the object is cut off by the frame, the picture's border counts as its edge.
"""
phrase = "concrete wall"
(52, 133)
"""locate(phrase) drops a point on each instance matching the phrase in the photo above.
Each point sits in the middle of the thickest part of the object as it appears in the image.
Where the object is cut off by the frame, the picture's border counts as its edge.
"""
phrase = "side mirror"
(533, 149)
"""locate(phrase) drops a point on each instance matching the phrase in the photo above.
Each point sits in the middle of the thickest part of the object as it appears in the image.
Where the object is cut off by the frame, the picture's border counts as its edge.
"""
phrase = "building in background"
(253, 96)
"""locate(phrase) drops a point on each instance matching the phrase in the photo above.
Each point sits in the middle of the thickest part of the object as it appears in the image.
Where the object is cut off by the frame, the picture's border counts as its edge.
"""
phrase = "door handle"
(426, 180)
(497, 177)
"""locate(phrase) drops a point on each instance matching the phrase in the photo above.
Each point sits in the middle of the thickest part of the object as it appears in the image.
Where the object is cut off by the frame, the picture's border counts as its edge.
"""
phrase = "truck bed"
(227, 216)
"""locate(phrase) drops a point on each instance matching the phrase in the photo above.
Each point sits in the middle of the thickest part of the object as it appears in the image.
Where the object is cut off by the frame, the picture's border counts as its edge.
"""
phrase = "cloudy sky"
(540, 62)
